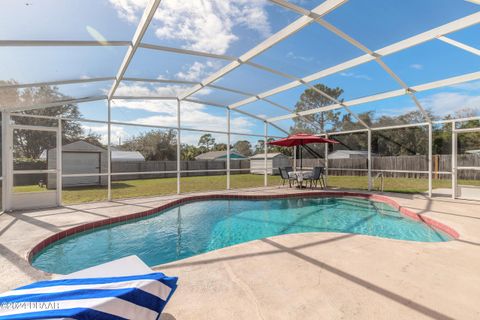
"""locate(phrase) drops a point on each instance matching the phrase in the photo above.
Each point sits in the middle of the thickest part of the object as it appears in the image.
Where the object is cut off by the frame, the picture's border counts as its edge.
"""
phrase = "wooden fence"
(341, 167)
(442, 166)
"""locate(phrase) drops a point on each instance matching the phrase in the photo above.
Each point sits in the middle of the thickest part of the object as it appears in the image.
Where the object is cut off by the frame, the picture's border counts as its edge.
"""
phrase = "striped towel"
(129, 297)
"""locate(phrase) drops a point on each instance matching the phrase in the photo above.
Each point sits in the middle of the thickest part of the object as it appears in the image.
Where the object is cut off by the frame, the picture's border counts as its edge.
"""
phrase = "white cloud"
(130, 10)
(444, 103)
(193, 115)
(201, 25)
(293, 56)
(198, 70)
(416, 66)
(468, 86)
(117, 132)
(355, 75)
(144, 90)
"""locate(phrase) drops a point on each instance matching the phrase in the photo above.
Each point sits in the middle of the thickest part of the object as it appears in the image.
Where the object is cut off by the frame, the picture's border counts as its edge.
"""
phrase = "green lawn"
(166, 186)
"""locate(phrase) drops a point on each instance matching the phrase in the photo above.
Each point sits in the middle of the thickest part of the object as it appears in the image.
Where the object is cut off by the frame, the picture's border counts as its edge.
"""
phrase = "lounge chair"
(124, 288)
(286, 177)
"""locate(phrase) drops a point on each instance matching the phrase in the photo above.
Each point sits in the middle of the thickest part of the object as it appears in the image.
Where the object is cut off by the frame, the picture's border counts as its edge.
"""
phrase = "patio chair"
(289, 169)
(121, 289)
(317, 176)
(286, 177)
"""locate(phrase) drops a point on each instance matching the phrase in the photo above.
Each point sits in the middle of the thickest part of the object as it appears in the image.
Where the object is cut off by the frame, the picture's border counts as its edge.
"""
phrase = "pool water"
(197, 227)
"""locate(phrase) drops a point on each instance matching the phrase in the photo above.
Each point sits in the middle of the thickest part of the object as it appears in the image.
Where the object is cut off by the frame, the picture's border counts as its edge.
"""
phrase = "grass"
(167, 186)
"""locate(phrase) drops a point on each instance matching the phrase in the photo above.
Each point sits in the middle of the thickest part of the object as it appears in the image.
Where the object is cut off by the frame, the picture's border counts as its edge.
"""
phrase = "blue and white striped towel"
(129, 297)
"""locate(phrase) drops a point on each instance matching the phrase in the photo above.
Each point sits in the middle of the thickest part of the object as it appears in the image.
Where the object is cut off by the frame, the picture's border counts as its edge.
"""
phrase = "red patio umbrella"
(300, 139)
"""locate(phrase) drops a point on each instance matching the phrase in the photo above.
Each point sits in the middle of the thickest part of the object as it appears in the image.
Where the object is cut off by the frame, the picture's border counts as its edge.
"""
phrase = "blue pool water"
(202, 226)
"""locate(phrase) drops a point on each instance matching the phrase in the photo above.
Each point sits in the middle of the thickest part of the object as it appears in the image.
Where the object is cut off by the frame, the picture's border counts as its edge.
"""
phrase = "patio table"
(301, 176)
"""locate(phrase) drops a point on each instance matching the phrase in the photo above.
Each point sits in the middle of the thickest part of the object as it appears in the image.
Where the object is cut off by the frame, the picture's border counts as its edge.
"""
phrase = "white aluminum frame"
(455, 167)
(307, 17)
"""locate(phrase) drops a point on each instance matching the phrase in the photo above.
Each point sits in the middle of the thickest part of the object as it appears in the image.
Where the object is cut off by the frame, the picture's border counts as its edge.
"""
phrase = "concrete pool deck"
(298, 276)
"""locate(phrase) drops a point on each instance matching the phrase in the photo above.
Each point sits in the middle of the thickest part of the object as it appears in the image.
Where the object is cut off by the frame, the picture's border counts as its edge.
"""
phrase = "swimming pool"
(196, 227)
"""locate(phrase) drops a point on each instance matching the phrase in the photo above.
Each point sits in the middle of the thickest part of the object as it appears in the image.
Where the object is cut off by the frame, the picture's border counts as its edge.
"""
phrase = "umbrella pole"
(301, 158)
(294, 158)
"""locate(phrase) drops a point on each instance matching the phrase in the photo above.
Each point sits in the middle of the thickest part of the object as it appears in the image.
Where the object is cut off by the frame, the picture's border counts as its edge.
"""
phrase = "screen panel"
(309, 50)
(432, 61)
(157, 64)
(216, 26)
(97, 20)
(360, 81)
(145, 111)
(378, 23)
(38, 64)
(241, 79)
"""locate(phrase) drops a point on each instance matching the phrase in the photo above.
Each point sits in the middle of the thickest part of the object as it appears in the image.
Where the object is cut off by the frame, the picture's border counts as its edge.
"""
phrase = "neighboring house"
(347, 154)
(477, 152)
(220, 155)
(122, 156)
(275, 161)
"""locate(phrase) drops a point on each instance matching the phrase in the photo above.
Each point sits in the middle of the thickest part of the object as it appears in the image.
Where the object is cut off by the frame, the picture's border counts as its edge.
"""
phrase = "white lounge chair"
(124, 288)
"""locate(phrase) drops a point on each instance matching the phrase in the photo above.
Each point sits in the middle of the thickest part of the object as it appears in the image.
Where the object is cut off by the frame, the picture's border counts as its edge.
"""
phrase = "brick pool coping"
(96, 224)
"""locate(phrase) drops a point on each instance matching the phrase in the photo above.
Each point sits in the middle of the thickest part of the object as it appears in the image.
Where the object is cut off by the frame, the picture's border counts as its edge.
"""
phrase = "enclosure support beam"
(59, 163)
(388, 50)
(386, 95)
(460, 45)
(454, 161)
(430, 159)
(6, 161)
(326, 162)
(133, 46)
(369, 159)
(109, 150)
(179, 150)
(265, 155)
(292, 28)
(228, 148)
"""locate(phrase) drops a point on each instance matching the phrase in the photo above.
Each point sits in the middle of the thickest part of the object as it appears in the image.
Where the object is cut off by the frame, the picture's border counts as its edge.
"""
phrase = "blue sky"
(231, 28)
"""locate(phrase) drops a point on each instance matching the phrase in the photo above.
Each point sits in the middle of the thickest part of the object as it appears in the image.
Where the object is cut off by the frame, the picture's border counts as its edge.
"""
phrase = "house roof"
(81, 146)
(127, 156)
(269, 155)
(350, 151)
(211, 155)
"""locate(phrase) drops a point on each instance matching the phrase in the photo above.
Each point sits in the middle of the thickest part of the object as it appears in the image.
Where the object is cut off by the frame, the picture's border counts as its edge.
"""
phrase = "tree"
(220, 147)
(31, 144)
(206, 142)
(154, 145)
(311, 99)
(260, 148)
(189, 152)
(243, 147)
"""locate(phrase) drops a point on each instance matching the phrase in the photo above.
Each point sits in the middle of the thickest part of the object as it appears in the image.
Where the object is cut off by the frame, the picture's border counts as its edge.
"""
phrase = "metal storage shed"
(275, 161)
(79, 158)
